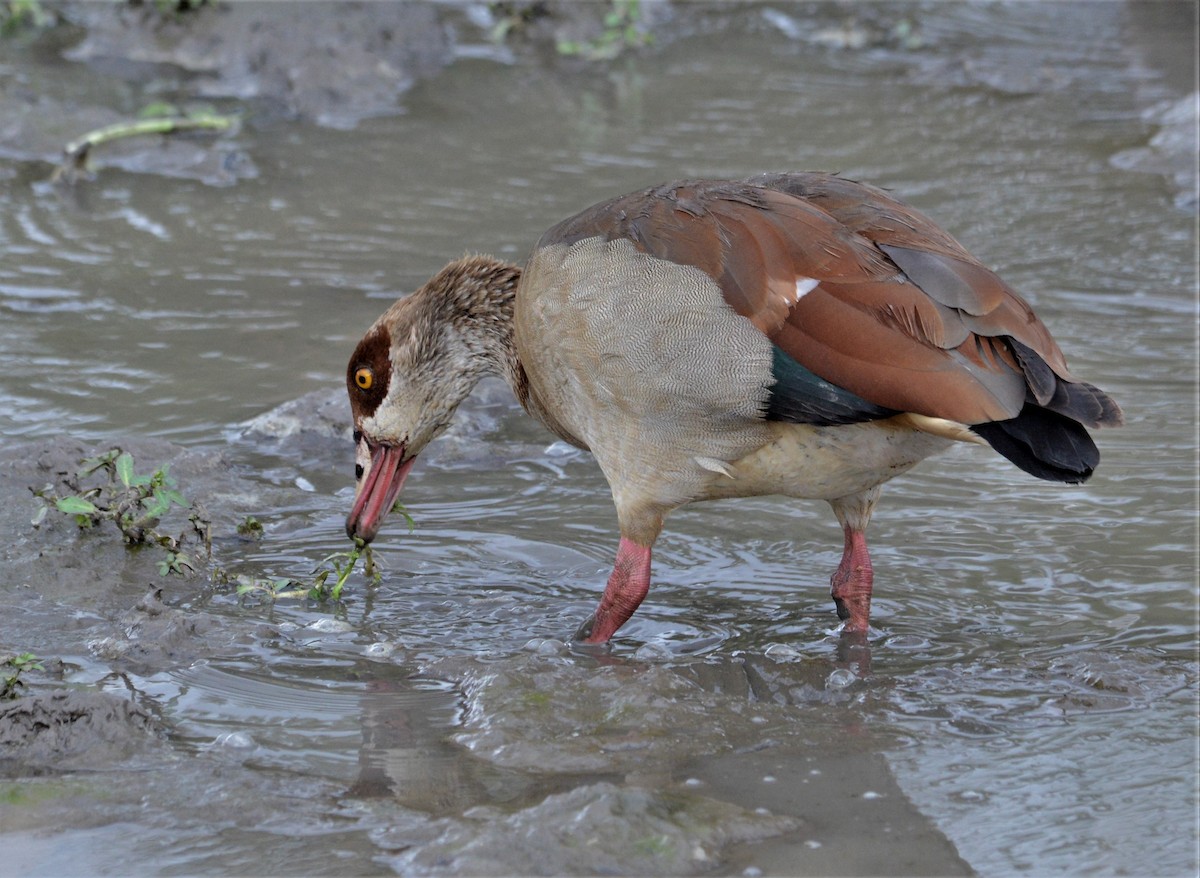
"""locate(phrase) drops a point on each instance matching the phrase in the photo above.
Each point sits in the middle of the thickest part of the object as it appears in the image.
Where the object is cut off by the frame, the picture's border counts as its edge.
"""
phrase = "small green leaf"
(27, 660)
(75, 506)
(171, 496)
(158, 507)
(124, 466)
(91, 464)
(174, 562)
(40, 515)
(501, 30)
(251, 527)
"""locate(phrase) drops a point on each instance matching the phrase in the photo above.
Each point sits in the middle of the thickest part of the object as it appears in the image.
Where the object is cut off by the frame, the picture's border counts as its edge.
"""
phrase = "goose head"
(412, 369)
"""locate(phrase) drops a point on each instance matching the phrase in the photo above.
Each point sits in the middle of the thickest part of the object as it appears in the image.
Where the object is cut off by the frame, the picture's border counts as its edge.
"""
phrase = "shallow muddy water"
(1030, 701)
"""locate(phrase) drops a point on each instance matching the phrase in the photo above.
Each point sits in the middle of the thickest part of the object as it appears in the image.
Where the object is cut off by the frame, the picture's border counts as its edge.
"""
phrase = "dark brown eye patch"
(367, 374)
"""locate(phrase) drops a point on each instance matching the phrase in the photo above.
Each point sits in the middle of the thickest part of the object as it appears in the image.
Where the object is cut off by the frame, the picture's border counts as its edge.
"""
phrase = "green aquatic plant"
(17, 16)
(251, 528)
(398, 507)
(11, 668)
(622, 30)
(158, 118)
(338, 565)
(134, 503)
(109, 488)
(514, 17)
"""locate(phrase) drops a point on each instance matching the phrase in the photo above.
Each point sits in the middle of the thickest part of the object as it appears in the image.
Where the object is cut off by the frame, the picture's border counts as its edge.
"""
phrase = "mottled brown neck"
(478, 296)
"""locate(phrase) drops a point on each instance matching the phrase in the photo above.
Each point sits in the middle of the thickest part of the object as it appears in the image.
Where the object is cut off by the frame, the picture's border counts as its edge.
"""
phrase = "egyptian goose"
(794, 334)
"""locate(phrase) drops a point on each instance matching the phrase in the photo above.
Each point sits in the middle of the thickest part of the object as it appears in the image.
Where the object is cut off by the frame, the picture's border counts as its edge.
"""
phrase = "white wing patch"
(804, 286)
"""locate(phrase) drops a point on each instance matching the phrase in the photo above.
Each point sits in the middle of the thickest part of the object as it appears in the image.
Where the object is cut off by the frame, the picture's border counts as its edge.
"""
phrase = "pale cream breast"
(639, 357)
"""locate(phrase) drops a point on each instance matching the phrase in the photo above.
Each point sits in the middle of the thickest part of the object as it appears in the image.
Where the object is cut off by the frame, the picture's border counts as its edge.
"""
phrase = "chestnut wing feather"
(931, 258)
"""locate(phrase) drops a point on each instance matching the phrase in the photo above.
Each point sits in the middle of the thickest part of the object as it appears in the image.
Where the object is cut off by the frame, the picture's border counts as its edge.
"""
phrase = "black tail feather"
(1040, 379)
(1078, 400)
(1044, 444)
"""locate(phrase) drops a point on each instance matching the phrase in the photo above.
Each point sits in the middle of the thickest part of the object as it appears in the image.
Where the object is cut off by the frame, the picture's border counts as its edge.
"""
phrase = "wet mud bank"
(262, 63)
(72, 731)
(339, 63)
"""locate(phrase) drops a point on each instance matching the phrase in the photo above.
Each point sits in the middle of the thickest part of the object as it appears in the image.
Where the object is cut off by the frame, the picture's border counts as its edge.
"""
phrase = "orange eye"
(364, 378)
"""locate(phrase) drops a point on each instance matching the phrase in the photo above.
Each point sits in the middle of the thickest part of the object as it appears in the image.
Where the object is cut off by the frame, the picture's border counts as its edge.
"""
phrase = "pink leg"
(627, 586)
(850, 585)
